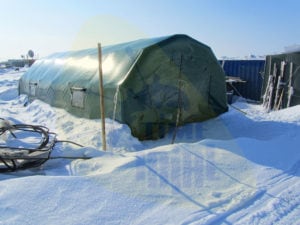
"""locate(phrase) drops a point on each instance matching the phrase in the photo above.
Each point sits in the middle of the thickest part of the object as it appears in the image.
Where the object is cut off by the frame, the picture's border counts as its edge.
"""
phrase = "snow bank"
(239, 168)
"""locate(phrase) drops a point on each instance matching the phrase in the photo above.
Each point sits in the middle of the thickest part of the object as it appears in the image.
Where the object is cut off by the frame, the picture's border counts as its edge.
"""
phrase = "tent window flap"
(78, 96)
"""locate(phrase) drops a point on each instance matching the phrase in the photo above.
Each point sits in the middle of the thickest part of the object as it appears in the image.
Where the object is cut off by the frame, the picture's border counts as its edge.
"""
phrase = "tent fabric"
(288, 87)
(149, 84)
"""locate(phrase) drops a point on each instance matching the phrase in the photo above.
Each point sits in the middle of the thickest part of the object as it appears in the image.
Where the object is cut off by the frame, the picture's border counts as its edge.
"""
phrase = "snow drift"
(239, 168)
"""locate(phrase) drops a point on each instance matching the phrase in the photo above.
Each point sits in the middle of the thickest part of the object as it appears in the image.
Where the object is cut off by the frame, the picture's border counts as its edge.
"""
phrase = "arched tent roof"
(145, 82)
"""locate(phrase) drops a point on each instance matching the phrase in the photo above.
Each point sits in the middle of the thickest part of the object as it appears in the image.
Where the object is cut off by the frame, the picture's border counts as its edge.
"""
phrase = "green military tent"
(281, 83)
(149, 84)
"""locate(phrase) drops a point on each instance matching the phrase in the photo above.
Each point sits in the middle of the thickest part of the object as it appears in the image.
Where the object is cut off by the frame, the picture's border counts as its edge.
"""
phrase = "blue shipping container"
(249, 71)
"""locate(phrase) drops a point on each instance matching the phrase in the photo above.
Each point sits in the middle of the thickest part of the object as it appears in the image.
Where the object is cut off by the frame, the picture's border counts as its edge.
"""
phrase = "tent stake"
(101, 93)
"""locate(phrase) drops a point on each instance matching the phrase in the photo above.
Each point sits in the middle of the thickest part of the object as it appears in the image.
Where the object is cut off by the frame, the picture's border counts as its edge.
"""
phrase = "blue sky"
(233, 28)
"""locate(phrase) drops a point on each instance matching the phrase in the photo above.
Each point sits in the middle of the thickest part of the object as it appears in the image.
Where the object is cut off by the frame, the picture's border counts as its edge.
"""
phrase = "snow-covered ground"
(239, 168)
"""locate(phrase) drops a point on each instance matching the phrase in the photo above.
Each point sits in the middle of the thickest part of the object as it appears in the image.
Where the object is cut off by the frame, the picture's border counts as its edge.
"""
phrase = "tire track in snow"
(203, 217)
(245, 203)
(285, 175)
(275, 206)
(278, 204)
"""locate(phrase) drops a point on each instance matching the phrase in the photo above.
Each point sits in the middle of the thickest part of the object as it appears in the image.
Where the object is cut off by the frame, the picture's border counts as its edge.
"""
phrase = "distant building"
(20, 62)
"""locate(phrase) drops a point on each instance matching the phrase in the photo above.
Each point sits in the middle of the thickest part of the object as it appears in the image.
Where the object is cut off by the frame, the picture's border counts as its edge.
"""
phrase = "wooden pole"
(290, 89)
(279, 84)
(270, 101)
(101, 93)
(179, 109)
(266, 97)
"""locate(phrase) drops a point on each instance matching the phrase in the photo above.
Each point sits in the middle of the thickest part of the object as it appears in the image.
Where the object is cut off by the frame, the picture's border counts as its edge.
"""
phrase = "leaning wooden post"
(101, 93)
(290, 90)
(179, 103)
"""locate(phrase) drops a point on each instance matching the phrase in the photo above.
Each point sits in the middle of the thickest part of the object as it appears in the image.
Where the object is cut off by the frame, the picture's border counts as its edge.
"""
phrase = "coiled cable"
(18, 156)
